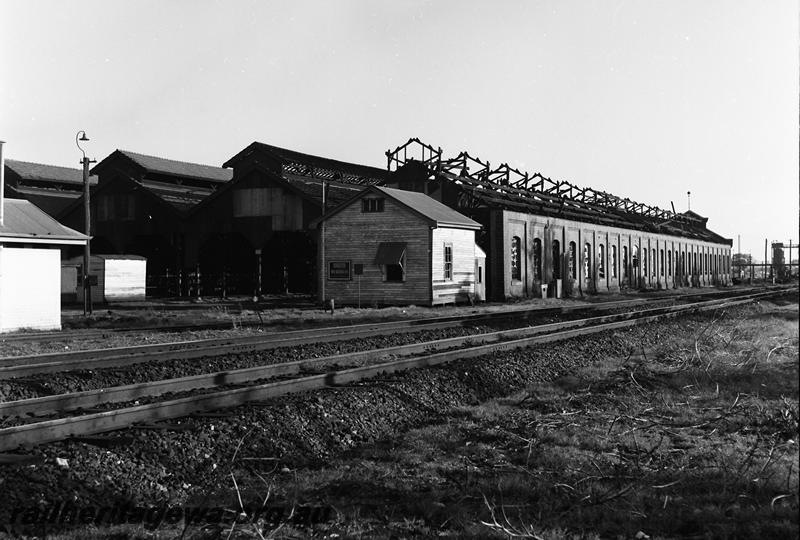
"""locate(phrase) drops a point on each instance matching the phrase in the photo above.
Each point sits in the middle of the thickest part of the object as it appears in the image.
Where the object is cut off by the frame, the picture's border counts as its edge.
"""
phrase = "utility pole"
(87, 285)
(739, 253)
(322, 270)
(765, 260)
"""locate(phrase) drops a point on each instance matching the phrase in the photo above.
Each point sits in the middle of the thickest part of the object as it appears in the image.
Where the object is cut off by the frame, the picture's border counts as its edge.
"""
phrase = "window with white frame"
(448, 262)
(516, 266)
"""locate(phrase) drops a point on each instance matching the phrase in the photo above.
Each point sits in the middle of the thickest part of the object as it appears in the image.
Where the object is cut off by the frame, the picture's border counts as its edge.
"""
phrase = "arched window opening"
(645, 261)
(573, 267)
(669, 263)
(556, 259)
(537, 259)
(601, 261)
(516, 267)
(662, 263)
(587, 261)
(613, 261)
(624, 261)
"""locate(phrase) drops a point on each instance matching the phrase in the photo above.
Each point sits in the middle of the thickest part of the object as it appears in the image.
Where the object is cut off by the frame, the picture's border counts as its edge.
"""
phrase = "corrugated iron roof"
(300, 164)
(430, 208)
(419, 203)
(47, 173)
(179, 168)
(23, 219)
(106, 257)
(23, 192)
(312, 187)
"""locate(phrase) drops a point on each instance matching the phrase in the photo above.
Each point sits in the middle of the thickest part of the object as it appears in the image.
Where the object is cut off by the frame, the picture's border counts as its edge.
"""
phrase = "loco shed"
(246, 227)
(544, 236)
(139, 207)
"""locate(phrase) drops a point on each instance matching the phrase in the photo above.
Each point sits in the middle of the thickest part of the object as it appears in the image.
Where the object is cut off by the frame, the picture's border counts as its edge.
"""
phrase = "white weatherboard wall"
(462, 282)
(119, 277)
(30, 289)
(125, 279)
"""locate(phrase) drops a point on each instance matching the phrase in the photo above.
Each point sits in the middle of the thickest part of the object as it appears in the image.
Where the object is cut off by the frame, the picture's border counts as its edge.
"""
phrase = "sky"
(645, 99)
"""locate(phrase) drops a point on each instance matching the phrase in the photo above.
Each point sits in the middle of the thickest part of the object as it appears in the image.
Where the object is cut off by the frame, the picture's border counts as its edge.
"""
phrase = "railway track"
(23, 366)
(233, 388)
(84, 334)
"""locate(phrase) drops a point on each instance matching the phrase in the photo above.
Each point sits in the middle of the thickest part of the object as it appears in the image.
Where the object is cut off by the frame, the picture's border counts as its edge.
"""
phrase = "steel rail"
(21, 366)
(103, 332)
(93, 398)
(88, 424)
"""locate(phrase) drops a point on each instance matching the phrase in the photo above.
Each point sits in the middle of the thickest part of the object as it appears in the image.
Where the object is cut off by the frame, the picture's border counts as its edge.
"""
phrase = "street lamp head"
(79, 137)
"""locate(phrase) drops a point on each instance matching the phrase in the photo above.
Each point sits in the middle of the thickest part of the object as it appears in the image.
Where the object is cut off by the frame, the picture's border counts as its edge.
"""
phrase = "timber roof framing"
(506, 176)
(508, 187)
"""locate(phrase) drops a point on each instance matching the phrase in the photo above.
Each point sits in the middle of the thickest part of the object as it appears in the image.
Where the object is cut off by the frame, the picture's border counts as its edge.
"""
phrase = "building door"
(480, 278)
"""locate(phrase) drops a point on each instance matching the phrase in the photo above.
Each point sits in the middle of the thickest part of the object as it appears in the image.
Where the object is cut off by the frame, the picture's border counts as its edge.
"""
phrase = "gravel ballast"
(193, 466)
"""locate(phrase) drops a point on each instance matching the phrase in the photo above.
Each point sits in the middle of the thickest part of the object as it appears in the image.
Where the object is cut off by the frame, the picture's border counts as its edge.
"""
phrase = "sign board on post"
(339, 270)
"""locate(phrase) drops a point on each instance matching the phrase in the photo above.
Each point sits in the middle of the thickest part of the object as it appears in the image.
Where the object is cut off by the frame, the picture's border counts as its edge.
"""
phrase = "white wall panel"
(30, 289)
(125, 279)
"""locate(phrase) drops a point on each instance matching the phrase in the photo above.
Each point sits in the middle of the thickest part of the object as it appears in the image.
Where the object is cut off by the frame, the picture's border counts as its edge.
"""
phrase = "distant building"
(241, 228)
(50, 188)
(390, 246)
(539, 232)
(139, 206)
(253, 235)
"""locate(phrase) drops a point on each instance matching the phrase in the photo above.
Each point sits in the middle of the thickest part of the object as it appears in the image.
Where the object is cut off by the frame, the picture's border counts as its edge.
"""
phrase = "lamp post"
(87, 286)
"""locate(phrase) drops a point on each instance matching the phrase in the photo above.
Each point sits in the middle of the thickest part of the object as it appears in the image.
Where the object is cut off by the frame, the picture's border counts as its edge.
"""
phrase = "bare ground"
(695, 438)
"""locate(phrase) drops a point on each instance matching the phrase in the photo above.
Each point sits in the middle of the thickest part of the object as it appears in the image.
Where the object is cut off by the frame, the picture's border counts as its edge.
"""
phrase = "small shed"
(30, 266)
(120, 278)
(395, 247)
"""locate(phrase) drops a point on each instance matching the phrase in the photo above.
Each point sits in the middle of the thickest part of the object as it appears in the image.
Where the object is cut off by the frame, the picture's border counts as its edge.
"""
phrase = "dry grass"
(696, 438)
